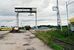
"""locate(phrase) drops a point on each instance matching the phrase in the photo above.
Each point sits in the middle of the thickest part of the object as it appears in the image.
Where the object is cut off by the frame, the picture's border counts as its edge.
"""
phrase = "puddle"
(29, 48)
(27, 44)
(10, 43)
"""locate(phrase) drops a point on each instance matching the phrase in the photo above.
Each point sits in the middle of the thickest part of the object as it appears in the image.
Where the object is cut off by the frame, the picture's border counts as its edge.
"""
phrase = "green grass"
(56, 46)
(49, 36)
(48, 39)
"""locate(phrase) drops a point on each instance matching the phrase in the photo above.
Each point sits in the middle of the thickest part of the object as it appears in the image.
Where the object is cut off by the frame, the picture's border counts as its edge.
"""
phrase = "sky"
(45, 13)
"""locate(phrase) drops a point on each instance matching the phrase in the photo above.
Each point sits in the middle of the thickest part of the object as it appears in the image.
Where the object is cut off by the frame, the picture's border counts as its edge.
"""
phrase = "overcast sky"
(44, 7)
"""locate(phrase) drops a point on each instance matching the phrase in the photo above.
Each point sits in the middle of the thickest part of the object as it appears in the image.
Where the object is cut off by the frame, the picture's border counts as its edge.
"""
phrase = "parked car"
(15, 29)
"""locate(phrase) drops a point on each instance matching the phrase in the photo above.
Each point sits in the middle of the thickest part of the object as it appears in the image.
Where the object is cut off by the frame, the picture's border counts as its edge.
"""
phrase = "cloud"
(45, 12)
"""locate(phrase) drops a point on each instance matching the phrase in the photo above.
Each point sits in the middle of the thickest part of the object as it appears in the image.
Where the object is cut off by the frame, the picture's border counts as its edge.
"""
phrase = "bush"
(27, 27)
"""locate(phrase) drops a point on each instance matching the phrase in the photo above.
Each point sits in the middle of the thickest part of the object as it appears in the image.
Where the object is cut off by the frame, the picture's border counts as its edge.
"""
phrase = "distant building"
(72, 24)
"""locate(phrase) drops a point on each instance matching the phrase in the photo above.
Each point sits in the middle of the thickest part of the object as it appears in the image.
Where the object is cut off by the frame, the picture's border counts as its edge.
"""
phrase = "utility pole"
(67, 16)
(67, 11)
(58, 18)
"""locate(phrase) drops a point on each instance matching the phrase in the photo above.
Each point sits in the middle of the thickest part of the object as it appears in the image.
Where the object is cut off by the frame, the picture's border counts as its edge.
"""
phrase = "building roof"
(72, 20)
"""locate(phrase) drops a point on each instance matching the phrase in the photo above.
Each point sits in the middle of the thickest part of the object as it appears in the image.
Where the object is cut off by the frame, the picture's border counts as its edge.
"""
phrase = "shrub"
(27, 27)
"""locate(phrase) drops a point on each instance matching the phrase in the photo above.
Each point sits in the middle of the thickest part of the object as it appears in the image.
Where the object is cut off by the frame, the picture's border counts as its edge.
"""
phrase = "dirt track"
(22, 41)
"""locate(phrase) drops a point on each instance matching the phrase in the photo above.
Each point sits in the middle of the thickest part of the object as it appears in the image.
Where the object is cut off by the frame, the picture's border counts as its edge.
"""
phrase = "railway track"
(66, 45)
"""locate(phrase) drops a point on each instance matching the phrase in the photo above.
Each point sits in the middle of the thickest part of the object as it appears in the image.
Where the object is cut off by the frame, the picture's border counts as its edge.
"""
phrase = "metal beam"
(26, 10)
(17, 17)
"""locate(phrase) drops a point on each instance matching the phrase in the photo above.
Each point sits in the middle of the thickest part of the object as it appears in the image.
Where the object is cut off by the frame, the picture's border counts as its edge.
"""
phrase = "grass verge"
(49, 36)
